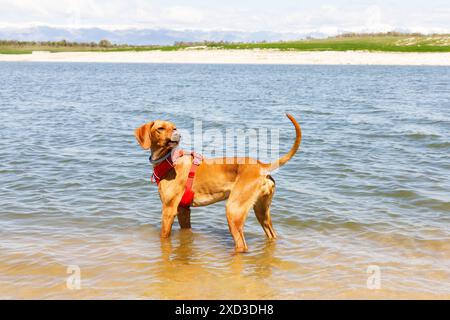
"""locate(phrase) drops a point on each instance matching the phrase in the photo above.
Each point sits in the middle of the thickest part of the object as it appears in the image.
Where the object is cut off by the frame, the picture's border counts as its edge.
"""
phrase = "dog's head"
(158, 136)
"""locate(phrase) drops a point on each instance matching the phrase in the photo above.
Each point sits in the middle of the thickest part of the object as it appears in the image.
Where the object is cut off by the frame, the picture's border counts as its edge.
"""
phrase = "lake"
(362, 210)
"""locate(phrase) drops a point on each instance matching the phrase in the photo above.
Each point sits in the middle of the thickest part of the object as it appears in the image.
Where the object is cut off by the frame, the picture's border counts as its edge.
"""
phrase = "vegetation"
(391, 41)
(23, 47)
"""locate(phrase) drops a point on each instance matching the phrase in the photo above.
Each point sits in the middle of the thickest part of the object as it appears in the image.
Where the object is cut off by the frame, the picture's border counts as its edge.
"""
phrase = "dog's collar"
(163, 158)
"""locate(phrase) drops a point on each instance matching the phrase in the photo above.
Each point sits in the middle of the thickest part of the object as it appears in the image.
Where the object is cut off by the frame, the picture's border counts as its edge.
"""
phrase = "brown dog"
(245, 182)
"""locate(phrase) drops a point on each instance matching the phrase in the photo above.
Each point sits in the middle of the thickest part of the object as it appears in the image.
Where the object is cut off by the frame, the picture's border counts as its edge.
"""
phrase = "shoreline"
(240, 56)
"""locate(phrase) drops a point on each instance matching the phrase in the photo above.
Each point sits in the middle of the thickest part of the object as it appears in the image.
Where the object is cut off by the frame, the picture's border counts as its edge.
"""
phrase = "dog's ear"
(142, 135)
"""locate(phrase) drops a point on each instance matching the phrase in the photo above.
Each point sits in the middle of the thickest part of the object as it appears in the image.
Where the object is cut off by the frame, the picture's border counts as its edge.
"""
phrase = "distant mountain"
(144, 36)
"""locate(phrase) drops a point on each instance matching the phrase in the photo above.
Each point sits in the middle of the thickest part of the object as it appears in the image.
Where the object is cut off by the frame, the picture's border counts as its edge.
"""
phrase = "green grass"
(30, 49)
(367, 42)
(12, 50)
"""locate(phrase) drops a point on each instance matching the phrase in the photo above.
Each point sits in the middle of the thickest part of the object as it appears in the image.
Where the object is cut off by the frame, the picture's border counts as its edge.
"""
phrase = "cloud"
(184, 15)
(250, 15)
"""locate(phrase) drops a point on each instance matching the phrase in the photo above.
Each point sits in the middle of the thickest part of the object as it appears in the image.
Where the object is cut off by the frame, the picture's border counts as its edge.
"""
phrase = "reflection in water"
(187, 270)
(182, 252)
(258, 265)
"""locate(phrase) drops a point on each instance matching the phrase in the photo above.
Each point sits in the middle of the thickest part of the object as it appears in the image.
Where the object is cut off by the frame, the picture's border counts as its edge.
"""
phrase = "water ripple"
(370, 185)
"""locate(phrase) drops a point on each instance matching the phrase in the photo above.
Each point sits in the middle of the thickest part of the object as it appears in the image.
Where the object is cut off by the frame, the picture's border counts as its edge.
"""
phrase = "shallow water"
(370, 186)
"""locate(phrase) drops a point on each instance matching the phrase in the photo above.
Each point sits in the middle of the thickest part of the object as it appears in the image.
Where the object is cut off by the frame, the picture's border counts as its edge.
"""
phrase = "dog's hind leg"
(236, 219)
(239, 203)
(262, 207)
(184, 217)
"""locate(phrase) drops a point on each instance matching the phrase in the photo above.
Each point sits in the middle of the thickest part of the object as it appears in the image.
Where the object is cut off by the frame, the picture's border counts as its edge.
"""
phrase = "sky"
(327, 16)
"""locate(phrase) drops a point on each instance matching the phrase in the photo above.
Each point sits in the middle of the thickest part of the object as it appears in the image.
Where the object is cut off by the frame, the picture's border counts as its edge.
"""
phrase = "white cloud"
(251, 15)
(183, 15)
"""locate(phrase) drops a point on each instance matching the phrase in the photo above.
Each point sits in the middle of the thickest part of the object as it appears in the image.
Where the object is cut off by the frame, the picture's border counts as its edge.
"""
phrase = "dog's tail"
(298, 138)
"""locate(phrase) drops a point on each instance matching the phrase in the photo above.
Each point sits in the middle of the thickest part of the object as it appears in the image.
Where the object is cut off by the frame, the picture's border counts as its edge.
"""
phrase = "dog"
(243, 182)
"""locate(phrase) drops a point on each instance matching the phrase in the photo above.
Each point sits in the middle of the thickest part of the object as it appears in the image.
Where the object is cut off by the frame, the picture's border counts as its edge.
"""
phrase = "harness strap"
(188, 195)
(164, 165)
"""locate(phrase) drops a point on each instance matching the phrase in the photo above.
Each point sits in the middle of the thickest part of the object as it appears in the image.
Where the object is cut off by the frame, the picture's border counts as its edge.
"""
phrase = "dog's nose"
(175, 136)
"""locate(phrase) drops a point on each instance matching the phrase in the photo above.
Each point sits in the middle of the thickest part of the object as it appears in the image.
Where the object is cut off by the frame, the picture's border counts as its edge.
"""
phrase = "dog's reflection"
(181, 253)
(258, 264)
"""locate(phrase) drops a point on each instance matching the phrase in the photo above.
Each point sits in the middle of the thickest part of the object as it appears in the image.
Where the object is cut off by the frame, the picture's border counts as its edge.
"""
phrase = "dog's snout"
(175, 136)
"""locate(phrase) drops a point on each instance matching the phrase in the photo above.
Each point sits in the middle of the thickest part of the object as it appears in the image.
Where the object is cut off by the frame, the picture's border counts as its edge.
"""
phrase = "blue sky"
(330, 16)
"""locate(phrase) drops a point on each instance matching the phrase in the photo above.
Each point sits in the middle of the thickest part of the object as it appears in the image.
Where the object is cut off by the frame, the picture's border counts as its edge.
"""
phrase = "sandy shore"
(240, 57)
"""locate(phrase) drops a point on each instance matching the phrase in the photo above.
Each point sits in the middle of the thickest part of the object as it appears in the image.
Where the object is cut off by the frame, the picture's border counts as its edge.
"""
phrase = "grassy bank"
(15, 47)
(389, 42)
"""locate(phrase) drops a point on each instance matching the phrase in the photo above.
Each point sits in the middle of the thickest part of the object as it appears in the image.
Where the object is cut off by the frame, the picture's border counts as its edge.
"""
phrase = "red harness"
(163, 168)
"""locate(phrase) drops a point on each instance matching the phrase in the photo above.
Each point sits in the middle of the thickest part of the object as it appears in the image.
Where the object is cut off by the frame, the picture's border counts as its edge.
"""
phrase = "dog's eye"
(160, 128)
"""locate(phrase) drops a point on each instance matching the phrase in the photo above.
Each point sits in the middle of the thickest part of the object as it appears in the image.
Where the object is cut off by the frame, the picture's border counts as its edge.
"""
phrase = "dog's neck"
(158, 156)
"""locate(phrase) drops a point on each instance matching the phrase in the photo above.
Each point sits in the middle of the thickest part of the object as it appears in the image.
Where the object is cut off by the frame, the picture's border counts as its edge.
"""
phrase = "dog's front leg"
(168, 215)
(184, 217)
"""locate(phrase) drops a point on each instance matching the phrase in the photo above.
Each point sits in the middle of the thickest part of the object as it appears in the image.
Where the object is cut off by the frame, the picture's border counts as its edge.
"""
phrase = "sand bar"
(240, 57)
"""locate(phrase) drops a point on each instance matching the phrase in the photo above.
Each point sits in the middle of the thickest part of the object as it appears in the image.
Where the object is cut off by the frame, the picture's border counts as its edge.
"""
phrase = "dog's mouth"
(172, 143)
(174, 140)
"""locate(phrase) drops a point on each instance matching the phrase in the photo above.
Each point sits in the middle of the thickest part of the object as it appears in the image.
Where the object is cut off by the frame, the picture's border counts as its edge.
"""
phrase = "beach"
(256, 56)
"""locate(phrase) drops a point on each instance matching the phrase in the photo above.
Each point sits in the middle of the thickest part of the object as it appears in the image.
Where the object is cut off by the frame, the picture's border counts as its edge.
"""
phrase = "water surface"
(370, 186)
